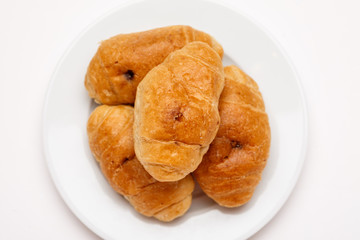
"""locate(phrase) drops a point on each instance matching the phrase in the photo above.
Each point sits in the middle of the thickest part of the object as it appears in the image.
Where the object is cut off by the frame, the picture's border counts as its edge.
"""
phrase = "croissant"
(122, 61)
(176, 111)
(231, 169)
(111, 141)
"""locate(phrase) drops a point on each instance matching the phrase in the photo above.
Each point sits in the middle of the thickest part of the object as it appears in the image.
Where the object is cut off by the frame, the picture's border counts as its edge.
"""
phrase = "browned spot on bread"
(129, 75)
(178, 116)
(235, 144)
(125, 160)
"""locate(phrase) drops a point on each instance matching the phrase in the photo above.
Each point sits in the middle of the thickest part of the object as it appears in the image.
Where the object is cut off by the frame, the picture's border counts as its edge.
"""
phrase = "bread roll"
(176, 111)
(110, 132)
(122, 61)
(232, 167)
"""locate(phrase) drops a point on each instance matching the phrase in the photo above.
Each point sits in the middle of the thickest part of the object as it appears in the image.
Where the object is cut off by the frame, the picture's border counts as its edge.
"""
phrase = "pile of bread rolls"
(171, 113)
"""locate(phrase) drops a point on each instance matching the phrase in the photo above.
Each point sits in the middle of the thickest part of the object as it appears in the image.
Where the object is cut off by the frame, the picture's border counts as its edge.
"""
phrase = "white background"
(322, 37)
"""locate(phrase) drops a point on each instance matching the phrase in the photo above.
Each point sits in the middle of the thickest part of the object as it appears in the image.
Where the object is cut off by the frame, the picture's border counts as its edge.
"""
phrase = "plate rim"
(304, 144)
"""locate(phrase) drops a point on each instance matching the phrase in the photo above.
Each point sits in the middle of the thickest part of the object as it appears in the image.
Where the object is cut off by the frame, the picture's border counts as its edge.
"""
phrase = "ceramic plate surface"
(77, 175)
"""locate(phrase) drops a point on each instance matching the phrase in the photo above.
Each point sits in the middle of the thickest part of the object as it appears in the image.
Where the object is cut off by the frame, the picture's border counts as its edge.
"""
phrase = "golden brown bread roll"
(232, 167)
(110, 132)
(122, 61)
(176, 111)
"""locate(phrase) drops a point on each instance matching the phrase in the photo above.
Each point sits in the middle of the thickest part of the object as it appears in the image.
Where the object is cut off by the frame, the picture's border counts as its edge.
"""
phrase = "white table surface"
(322, 37)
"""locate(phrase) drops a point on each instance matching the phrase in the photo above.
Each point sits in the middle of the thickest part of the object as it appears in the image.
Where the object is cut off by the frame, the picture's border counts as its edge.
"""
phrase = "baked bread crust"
(176, 111)
(232, 167)
(122, 61)
(110, 133)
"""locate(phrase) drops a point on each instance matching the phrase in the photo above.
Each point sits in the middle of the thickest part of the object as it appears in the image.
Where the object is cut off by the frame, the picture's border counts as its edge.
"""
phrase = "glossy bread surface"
(122, 61)
(110, 132)
(176, 111)
(232, 167)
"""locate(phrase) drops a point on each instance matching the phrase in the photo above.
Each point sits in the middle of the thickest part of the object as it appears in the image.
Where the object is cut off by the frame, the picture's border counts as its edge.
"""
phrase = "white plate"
(77, 175)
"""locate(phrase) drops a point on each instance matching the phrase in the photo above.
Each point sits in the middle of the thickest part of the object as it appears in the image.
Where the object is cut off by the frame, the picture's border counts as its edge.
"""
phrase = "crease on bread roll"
(110, 133)
(231, 169)
(176, 111)
(122, 61)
